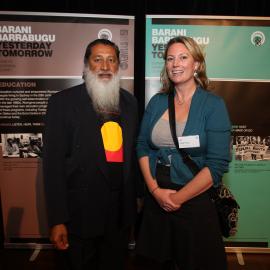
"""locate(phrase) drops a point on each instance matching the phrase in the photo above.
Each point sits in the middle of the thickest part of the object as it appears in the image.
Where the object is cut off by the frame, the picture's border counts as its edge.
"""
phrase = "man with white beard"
(89, 164)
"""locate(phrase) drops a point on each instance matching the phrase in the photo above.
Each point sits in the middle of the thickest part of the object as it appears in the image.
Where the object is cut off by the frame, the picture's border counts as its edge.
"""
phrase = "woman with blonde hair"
(180, 225)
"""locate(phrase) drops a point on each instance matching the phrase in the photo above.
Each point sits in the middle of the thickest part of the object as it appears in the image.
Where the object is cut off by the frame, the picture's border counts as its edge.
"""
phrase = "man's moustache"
(105, 73)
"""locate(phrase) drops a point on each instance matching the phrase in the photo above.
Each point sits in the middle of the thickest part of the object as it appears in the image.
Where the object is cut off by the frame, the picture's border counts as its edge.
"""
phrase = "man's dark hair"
(100, 41)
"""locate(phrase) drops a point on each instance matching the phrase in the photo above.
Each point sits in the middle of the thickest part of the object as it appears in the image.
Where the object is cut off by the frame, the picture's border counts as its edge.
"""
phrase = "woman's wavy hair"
(197, 54)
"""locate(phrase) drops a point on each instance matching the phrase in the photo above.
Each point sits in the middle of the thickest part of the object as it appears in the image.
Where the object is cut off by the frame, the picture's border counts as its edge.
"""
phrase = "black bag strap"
(186, 158)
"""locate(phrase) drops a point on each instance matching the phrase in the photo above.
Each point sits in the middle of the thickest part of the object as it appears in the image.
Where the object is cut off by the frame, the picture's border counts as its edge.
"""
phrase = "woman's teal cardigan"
(208, 118)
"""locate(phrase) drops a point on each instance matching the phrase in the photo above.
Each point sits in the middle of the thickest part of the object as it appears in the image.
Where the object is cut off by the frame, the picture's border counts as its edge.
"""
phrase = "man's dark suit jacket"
(77, 185)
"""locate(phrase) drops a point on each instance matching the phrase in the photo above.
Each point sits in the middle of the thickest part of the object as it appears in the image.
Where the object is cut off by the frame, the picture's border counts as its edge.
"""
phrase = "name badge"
(189, 141)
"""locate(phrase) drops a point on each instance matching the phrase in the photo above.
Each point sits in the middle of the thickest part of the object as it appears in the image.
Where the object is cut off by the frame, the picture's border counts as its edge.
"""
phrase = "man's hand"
(59, 236)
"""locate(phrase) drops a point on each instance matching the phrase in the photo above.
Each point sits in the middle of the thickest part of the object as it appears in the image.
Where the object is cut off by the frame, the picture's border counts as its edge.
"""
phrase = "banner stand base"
(37, 247)
(240, 250)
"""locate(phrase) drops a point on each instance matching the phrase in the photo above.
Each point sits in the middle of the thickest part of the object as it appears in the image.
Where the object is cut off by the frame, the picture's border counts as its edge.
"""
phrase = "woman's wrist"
(176, 198)
(152, 191)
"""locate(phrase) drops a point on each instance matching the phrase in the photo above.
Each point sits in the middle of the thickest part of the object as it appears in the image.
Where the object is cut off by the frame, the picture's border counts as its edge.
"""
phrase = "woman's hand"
(175, 199)
(163, 197)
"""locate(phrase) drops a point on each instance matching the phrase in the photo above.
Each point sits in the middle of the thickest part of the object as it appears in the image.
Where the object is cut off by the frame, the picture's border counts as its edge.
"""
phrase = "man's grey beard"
(104, 94)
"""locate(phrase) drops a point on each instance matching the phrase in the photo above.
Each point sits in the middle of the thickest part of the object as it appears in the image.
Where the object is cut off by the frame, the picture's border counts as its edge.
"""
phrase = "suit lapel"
(91, 134)
(125, 123)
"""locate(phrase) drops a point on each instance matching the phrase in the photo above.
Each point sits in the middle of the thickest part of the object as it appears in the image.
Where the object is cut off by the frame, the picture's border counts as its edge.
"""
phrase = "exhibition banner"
(233, 51)
(41, 54)
(237, 51)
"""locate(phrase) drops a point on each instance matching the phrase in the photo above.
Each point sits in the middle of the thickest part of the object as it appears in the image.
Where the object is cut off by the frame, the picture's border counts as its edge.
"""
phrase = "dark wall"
(133, 7)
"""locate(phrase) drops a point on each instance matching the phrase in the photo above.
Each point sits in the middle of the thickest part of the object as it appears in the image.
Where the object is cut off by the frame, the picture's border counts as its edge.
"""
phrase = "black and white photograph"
(252, 148)
(22, 145)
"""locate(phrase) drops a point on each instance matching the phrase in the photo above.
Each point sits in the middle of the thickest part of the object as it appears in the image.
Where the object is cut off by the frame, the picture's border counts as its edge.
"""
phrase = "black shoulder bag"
(225, 203)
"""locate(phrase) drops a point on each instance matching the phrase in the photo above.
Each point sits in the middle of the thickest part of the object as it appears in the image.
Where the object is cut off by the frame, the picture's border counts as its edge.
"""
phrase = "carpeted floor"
(49, 259)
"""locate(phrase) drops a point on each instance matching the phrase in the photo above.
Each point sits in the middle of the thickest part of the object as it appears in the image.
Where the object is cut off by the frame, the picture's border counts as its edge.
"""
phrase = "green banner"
(236, 52)
(237, 58)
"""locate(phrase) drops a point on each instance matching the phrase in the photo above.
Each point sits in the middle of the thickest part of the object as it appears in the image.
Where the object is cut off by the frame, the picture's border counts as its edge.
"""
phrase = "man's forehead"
(101, 49)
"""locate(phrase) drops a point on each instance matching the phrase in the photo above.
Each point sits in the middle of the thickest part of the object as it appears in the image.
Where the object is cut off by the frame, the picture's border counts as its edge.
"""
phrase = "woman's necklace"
(178, 100)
